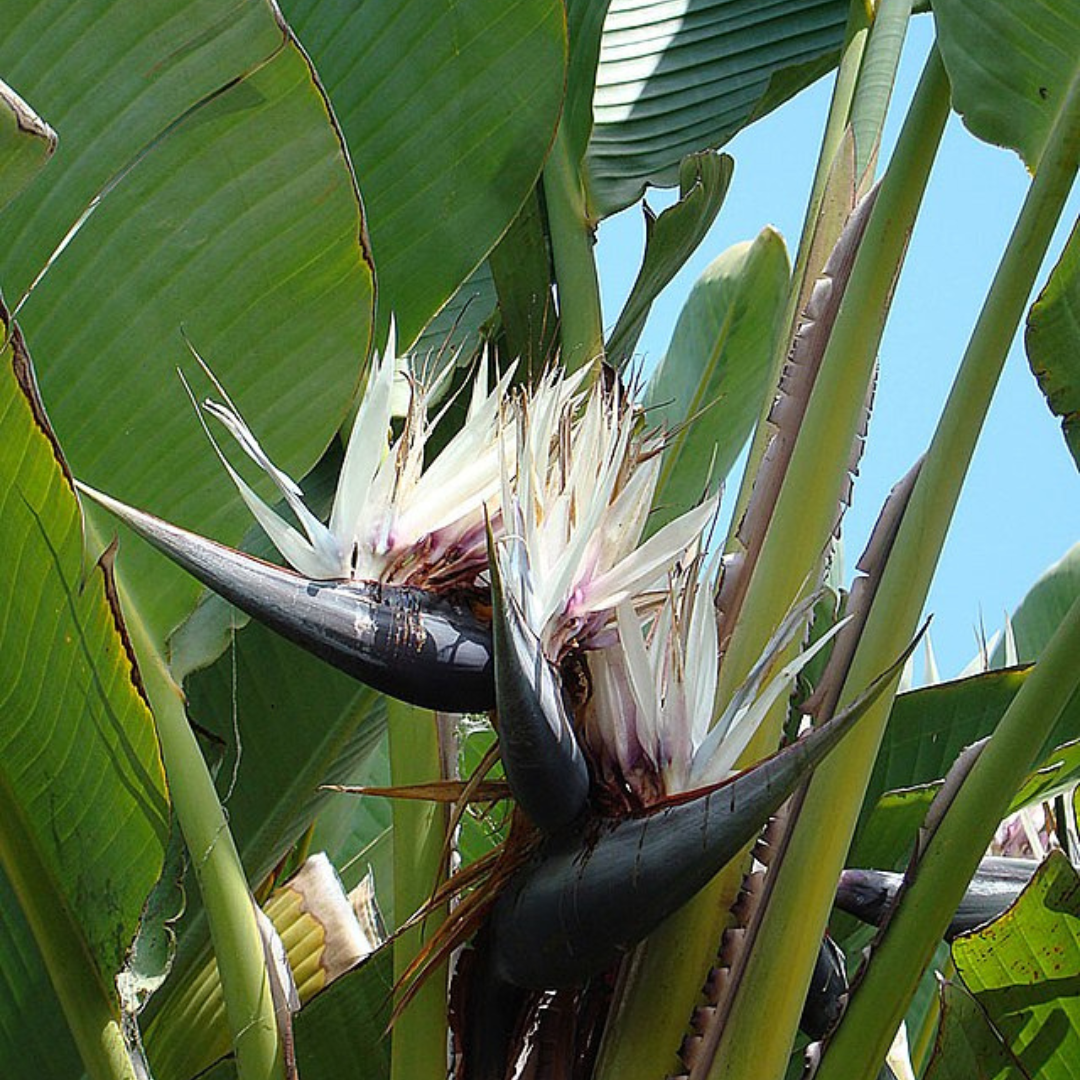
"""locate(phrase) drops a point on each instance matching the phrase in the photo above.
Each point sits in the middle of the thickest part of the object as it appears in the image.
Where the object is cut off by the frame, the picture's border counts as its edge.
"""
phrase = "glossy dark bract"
(432, 651)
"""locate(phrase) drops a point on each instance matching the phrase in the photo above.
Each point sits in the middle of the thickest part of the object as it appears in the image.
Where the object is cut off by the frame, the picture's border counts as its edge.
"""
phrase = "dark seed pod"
(868, 894)
(428, 650)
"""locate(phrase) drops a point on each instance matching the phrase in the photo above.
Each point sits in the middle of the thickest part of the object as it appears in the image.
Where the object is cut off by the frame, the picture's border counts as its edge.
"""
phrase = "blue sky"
(1020, 509)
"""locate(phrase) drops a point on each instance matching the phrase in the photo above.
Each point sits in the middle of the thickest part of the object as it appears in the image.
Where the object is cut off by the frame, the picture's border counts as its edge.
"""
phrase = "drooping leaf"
(678, 78)
(887, 831)
(448, 113)
(233, 214)
(967, 1044)
(1010, 66)
(1024, 971)
(1052, 341)
(670, 240)
(709, 387)
(929, 727)
(84, 815)
(26, 143)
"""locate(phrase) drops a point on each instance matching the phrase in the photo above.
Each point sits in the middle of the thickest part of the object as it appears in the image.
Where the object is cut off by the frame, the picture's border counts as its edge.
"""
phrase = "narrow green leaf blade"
(1010, 65)
(670, 240)
(1052, 341)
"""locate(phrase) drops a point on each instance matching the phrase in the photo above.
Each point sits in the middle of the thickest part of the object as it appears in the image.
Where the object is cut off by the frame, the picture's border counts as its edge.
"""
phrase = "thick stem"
(580, 320)
(661, 988)
(909, 573)
(928, 903)
(810, 240)
(230, 908)
(765, 1011)
(420, 1032)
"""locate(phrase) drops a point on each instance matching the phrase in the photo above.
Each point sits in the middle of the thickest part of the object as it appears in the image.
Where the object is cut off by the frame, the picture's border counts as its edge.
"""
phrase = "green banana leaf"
(1024, 972)
(228, 209)
(709, 387)
(989, 50)
(448, 113)
(84, 815)
(678, 78)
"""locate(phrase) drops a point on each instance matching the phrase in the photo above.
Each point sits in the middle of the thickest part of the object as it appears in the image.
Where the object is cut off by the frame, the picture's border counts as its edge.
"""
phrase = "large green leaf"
(84, 816)
(1024, 970)
(26, 143)
(1010, 63)
(717, 365)
(678, 77)
(235, 216)
(448, 107)
(1052, 340)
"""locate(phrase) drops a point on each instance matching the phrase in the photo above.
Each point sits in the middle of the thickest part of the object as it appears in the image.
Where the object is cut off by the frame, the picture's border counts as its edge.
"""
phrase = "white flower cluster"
(564, 474)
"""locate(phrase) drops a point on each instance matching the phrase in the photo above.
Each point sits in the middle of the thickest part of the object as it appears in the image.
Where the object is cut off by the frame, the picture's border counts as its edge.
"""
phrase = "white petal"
(640, 675)
(717, 756)
(652, 560)
(318, 556)
(367, 448)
